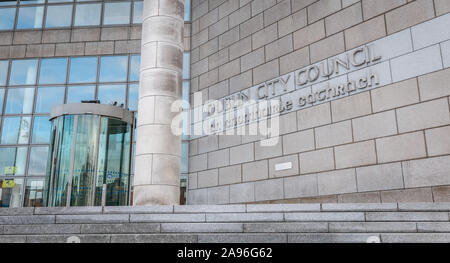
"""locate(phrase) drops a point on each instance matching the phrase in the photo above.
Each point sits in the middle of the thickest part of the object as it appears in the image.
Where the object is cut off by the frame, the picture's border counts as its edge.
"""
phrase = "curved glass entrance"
(89, 162)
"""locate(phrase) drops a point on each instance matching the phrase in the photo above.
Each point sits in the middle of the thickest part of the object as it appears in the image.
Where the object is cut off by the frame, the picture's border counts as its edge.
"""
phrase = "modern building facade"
(287, 101)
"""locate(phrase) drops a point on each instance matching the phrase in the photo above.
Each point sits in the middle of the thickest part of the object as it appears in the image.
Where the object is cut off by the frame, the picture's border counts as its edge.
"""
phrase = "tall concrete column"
(158, 150)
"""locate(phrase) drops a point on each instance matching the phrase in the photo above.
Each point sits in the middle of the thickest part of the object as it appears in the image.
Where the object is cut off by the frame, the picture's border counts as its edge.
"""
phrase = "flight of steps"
(293, 223)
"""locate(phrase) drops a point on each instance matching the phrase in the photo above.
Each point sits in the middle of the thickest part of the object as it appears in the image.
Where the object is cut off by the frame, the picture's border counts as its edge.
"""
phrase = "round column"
(158, 150)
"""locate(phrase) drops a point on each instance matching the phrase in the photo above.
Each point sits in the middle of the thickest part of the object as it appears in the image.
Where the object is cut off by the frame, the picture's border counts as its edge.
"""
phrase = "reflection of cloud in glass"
(87, 14)
(13, 157)
(117, 13)
(23, 72)
(75, 94)
(19, 101)
(44, 102)
(59, 16)
(111, 93)
(30, 17)
(7, 18)
(83, 70)
(37, 165)
(41, 130)
(113, 68)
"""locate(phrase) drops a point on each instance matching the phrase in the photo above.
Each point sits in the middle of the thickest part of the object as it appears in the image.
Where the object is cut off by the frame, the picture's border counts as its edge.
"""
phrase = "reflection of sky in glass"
(37, 165)
(117, 13)
(184, 157)
(2, 95)
(53, 71)
(83, 70)
(186, 68)
(41, 130)
(13, 157)
(58, 16)
(15, 130)
(75, 94)
(19, 101)
(3, 72)
(44, 102)
(186, 87)
(113, 68)
(7, 16)
(187, 10)
(14, 2)
(134, 67)
(28, 2)
(30, 17)
(110, 93)
(59, 1)
(23, 72)
(137, 12)
(133, 92)
(87, 15)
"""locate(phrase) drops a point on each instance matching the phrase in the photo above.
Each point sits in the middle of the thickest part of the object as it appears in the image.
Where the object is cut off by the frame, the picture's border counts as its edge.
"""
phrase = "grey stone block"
(143, 228)
(209, 209)
(243, 238)
(6, 38)
(269, 190)
(167, 218)
(26, 220)
(286, 227)
(202, 228)
(372, 227)
(154, 238)
(416, 238)
(116, 33)
(68, 210)
(56, 36)
(284, 208)
(63, 238)
(12, 239)
(244, 217)
(433, 227)
(324, 216)
(91, 219)
(16, 211)
(27, 37)
(424, 207)
(156, 209)
(407, 216)
(42, 229)
(329, 238)
(359, 207)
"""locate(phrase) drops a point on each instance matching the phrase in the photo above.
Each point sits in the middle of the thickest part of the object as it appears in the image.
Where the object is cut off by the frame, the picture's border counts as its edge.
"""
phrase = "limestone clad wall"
(387, 144)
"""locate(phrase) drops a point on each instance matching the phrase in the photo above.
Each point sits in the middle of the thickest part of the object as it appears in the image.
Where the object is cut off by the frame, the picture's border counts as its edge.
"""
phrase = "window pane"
(186, 67)
(186, 85)
(11, 197)
(59, 1)
(30, 17)
(34, 193)
(49, 97)
(184, 157)
(19, 101)
(10, 2)
(88, 15)
(117, 13)
(23, 72)
(137, 12)
(41, 130)
(133, 97)
(3, 72)
(75, 94)
(187, 10)
(7, 16)
(38, 161)
(83, 70)
(28, 2)
(12, 160)
(134, 67)
(113, 68)
(58, 16)
(53, 71)
(108, 94)
(16, 130)
(2, 96)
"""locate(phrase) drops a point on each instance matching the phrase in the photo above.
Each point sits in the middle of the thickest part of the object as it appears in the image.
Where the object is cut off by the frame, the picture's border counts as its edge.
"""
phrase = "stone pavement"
(280, 223)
